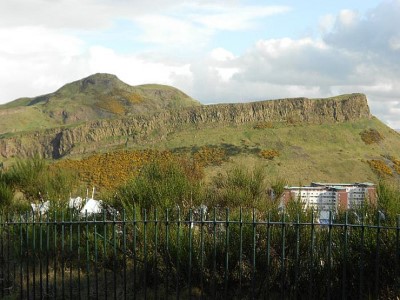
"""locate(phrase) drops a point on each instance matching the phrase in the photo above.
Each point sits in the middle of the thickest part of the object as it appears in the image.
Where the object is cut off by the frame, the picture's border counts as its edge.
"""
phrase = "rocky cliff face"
(59, 142)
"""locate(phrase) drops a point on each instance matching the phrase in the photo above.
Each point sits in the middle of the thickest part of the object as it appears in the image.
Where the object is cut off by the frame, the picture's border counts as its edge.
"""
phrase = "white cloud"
(38, 40)
(347, 18)
(234, 18)
(172, 33)
(78, 14)
(221, 54)
(36, 59)
(133, 69)
(394, 43)
(326, 23)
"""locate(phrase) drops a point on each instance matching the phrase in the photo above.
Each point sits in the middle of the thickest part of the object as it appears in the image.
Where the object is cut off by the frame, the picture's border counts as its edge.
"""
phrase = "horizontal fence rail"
(196, 255)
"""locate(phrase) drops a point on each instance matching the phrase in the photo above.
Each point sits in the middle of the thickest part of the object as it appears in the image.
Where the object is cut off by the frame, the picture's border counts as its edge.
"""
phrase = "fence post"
(296, 280)
(40, 257)
(253, 264)
(134, 252)
(20, 257)
(34, 257)
(62, 255)
(178, 239)
(377, 254)
(70, 253)
(190, 254)
(226, 277)
(396, 274)
(87, 256)
(311, 296)
(145, 252)
(114, 257)
(344, 275)
(329, 283)
(240, 250)
(361, 288)
(283, 234)
(55, 255)
(2, 275)
(167, 252)
(201, 252)
(155, 253)
(47, 255)
(214, 283)
(105, 254)
(96, 259)
(27, 258)
(268, 253)
(124, 249)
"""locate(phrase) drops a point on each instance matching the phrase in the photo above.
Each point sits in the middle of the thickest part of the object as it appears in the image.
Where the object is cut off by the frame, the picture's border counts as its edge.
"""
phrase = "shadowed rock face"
(59, 142)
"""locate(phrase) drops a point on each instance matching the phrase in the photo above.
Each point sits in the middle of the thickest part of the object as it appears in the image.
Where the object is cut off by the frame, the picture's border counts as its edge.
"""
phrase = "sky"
(215, 51)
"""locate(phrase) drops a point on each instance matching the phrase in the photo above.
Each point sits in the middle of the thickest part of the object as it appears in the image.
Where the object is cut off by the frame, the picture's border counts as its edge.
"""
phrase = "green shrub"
(6, 195)
(36, 181)
(238, 187)
(159, 185)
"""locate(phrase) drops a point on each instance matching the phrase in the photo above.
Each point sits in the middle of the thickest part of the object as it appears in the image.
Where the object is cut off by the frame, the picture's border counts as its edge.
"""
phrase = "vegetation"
(161, 184)
(80, 101)
(207, 156)
(262, 247)
(269, 154)
(264, 125)
(380, 167)
(107, 171)
(371, 136)
(35, 181)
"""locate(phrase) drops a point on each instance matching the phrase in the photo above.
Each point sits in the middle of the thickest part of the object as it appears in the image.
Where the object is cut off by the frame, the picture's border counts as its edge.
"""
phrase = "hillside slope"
(314, 139)
(138, 129)
(99, 96)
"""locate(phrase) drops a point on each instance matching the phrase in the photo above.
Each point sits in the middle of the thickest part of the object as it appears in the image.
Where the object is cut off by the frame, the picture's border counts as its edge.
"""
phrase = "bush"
(264, 125)
(238, 187)
(29, 177)
(6, 195)
(36, 180)
(209, 156)
(379, 167)
(371, 136)
(269, 154)
(160, 184)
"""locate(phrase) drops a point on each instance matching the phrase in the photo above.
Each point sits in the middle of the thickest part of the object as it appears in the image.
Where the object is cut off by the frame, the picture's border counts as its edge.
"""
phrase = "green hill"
(99, 96)
(334, 139)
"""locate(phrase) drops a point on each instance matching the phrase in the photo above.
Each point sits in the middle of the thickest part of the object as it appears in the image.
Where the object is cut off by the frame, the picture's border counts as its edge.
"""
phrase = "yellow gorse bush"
(380, 167)
(269, 153)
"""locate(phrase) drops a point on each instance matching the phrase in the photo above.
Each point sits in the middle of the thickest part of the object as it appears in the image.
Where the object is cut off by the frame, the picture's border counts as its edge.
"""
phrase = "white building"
(331, 196)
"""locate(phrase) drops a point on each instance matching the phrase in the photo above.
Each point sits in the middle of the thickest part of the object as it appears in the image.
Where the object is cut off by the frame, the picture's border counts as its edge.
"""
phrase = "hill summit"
(99, 96)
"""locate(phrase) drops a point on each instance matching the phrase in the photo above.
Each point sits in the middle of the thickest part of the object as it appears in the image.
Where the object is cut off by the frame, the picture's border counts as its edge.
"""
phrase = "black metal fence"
(222, 254)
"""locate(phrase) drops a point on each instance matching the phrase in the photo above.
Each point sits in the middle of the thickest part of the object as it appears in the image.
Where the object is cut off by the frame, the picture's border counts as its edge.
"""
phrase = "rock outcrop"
(58, 142)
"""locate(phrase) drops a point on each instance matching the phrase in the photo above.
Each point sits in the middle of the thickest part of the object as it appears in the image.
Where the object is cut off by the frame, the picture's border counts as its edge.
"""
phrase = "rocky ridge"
(80, 139)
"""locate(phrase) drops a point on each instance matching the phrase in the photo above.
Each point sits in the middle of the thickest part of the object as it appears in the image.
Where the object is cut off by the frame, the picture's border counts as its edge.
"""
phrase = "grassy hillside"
(96, 97)
(302, 153)
(333, 152)
(336, 145)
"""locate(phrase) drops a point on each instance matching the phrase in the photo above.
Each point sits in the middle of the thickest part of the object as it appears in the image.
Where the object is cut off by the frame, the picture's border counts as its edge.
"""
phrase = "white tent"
(91, 207)
(75, 203)
(41, 208)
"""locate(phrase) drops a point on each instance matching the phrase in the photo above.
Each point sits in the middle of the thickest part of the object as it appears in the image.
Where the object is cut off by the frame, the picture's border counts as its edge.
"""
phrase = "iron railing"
(222, 254)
